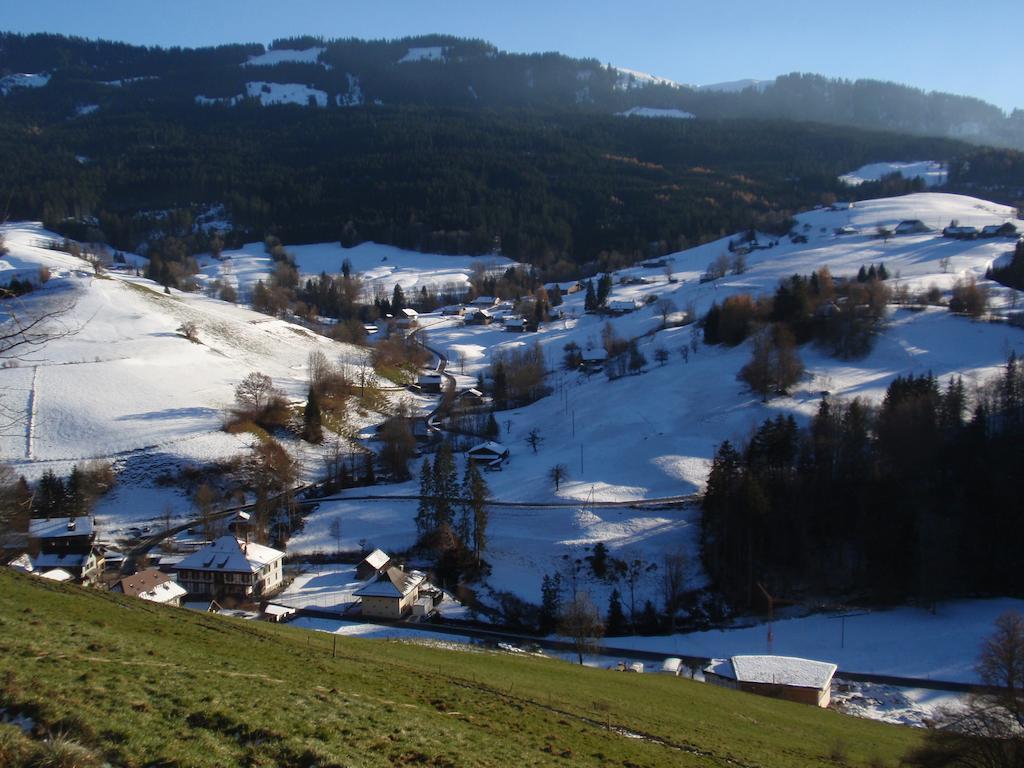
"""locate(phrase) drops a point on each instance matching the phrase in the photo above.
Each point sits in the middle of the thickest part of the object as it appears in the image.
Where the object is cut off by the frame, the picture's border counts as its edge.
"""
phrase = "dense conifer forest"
(914, 499)
(480, 152)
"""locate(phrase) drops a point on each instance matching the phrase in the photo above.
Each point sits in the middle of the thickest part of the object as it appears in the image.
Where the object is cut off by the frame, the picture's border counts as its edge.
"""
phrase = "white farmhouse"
(392, 595)
(233, 567)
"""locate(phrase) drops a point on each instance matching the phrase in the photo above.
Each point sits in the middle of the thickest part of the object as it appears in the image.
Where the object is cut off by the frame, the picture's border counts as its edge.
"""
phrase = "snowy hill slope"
(653, 435)
(376, 264)
(126, 384)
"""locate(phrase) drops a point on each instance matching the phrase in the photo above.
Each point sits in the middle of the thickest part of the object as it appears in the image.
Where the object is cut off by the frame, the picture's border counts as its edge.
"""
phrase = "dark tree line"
(914, 498)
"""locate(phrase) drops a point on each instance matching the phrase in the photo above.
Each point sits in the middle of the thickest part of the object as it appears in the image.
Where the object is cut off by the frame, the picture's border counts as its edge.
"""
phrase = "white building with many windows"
(230, 566)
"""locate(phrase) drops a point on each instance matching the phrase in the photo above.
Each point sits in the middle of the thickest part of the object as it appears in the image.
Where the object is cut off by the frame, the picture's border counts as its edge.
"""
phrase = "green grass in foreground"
(142, 685)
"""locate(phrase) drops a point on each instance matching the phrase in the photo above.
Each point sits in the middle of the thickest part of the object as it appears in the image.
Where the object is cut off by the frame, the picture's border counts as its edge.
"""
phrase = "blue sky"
(947, 45)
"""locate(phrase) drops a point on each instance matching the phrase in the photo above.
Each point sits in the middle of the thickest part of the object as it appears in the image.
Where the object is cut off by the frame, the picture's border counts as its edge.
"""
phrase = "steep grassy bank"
(141, 685)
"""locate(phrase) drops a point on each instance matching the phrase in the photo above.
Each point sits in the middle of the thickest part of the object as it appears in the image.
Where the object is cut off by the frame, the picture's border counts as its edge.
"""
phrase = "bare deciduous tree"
(534, 439)
(335, 530)
(665, 308)
(254, 391)
(673, 582)
(557, 474)
(989, 731)
(581, 621)
(190, 330)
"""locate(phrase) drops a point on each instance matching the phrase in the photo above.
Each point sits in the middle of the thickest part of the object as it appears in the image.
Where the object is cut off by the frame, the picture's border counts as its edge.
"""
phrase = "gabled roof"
(67, 560)
(393, 583)
(229, 555)
(377, 559)
(410, 313)
(21, 563)
(489, 447)
(60, 527)
(775, 670)
(151, 584)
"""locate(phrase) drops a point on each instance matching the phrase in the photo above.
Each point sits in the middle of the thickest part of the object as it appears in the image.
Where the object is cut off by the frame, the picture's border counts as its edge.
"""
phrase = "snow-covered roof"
(228, 554)
(671, 665)
(489, 447)
(67, 560)
(775, 670)
(377, 559)
(21, 563)
(60, 527)
(56, 574)
(410, 313)
(152, 585)
(484, 301)
(594, 355)
(393, 583)
(273, 609)
(629, 304)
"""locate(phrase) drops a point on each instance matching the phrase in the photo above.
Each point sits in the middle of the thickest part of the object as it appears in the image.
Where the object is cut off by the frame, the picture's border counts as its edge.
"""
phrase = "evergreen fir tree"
(616, 624)
(500, 383)
(369, 477)
(425, 509)
(550, 598)
(590, 301)
(604, 288)
(397, 299)
(491, 430)
(312, 419)
(475, 494)
(446, 488)
(862, 274)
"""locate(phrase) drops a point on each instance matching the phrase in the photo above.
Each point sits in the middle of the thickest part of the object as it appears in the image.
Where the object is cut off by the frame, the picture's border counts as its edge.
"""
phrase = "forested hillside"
(431, 143)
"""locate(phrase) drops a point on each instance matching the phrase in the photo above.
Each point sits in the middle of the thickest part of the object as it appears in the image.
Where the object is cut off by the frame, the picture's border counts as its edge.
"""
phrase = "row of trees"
(841, 316)
(451, 519)
(913, 498)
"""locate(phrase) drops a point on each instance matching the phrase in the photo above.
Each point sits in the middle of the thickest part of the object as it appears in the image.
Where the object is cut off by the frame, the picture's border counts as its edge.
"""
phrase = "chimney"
(71, 523)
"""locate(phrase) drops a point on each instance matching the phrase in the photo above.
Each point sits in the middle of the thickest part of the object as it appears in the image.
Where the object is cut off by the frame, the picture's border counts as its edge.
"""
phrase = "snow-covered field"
(905, 642)
(125, 385)
(383, 265)
(282, 55)
(655, 112)
(933, 173)
(653, 435)
(634, 439)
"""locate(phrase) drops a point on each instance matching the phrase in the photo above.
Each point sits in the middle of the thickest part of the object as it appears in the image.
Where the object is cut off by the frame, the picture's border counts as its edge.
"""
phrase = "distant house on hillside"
(911, 227)
(230, 566)
(373, 564)
(621, 306)
(960, 233)
(430, 381)
(478, 317)
(151, 585)
(491, 454)
(999, 230)
(483, 302)
(407, 318)
(470, 401)
(515, 324)
(593, 360)
(841, 206)
(392, 594)
(66, 543)
(780, 677)
(847, 230)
